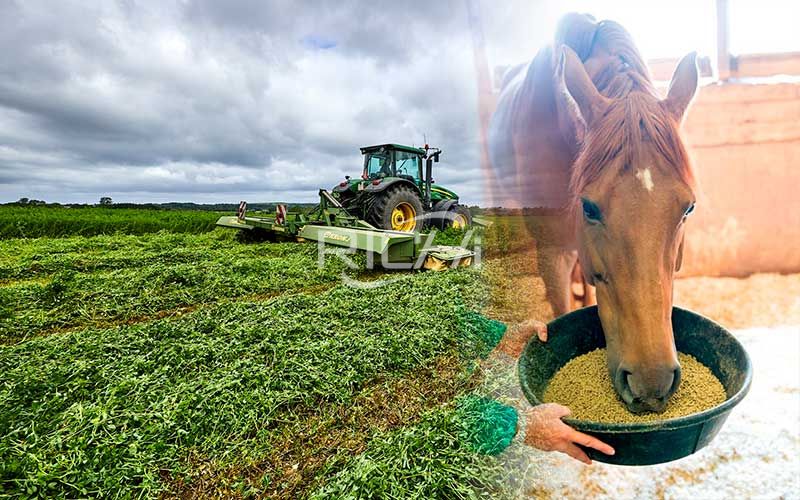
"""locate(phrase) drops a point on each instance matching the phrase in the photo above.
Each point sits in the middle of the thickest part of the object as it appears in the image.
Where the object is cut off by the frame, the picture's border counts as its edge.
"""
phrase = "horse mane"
(636, 116)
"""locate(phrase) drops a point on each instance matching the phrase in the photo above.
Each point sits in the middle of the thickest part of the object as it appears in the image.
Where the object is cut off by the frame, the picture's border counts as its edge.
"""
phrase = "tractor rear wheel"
(398, 209)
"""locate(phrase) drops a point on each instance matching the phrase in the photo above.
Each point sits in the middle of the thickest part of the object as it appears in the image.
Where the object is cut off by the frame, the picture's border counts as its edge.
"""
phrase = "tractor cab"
(391, 160)
(396, 190)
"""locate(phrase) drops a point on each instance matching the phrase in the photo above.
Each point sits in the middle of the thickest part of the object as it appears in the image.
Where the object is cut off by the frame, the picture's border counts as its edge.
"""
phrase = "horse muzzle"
(647, 389)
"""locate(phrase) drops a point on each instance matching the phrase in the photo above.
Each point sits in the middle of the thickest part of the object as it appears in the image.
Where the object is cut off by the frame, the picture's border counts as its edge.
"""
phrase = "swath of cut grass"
(134, 410)
(318, 442)
(133, 400)
(22, 259)
(163, 281)
(429, 459)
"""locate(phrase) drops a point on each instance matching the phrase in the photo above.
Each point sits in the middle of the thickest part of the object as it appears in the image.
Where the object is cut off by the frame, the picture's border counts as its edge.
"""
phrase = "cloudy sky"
(216, 101)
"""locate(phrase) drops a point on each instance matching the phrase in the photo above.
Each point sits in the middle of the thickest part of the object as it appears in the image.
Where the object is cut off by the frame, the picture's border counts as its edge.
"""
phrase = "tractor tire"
(397, 209)
(462, 216)
(458, 217)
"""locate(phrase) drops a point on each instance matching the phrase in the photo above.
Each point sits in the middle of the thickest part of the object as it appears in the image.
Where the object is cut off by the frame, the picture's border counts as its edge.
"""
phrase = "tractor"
(396, 193)
(382, 213)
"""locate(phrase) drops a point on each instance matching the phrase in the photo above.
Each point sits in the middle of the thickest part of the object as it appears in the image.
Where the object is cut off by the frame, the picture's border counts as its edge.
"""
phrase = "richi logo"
(377, 260)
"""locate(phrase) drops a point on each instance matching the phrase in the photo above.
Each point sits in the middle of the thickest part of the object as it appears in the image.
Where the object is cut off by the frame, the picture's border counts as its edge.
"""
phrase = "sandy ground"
(756, 454)
(759, 300)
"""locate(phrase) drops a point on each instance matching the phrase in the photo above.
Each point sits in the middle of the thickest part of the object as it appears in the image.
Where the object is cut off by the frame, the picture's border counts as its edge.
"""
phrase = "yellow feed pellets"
(583, 385)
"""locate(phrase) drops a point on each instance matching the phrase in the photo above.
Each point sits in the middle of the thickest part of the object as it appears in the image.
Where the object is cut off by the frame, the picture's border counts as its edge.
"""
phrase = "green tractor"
(396, 193)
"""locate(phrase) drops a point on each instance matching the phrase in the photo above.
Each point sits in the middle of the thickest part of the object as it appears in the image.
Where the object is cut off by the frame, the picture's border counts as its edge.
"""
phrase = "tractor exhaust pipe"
(428, 175)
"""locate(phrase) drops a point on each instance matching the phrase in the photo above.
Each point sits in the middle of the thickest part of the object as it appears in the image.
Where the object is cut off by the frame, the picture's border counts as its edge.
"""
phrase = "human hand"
(517, 336)
(546, 431)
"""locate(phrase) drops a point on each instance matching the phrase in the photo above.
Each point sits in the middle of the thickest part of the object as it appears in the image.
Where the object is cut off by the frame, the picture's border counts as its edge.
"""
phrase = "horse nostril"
(624, 385)
(676, 381)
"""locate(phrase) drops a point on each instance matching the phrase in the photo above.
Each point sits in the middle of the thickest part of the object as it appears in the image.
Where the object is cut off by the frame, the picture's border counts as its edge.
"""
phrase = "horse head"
(632, 187)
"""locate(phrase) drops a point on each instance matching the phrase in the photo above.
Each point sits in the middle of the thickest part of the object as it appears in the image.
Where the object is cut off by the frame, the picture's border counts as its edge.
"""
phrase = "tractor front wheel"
(461, 218)
(457, 217)
(398, 209)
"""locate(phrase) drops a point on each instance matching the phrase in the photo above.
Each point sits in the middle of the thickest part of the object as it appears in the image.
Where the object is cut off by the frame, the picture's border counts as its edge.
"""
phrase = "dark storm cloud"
(209, 100)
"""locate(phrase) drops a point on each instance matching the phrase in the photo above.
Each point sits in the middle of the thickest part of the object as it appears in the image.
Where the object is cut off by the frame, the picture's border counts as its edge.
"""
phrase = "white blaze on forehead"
(646, 177)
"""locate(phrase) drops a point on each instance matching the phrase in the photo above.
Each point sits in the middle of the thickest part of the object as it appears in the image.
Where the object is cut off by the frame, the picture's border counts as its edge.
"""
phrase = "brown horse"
(582, 128)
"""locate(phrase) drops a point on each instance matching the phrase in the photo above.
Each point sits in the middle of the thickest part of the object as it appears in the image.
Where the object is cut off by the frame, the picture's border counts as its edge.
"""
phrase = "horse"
(582, 129)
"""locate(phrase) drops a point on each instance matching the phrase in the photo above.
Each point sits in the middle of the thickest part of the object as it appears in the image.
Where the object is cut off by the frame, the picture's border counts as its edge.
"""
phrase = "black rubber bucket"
(646, 443)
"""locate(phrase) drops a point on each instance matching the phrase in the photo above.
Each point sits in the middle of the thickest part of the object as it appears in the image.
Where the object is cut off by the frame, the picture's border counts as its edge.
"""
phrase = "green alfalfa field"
(185, 363)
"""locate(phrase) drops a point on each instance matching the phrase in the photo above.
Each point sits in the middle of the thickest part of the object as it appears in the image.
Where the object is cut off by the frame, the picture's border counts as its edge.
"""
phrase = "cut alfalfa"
(428, 459)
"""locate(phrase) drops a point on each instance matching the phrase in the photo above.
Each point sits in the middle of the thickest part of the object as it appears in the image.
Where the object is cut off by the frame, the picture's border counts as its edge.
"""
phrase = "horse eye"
(689, 210)
(591, 211)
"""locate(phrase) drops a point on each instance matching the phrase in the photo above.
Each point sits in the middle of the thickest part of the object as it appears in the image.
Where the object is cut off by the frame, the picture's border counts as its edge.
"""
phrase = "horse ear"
(574, 80)
(683, 86)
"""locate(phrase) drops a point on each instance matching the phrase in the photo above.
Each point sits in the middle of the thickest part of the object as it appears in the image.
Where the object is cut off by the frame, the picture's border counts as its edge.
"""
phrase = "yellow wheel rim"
(459, 222)
(403, 217)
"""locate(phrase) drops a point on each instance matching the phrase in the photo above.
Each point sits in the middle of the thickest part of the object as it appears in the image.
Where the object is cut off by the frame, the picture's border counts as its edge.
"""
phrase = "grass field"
(35, 222)
(56, 284)
(192, 365)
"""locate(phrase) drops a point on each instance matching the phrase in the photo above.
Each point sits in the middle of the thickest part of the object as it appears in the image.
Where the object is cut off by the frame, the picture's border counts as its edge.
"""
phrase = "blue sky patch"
(318, 42)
